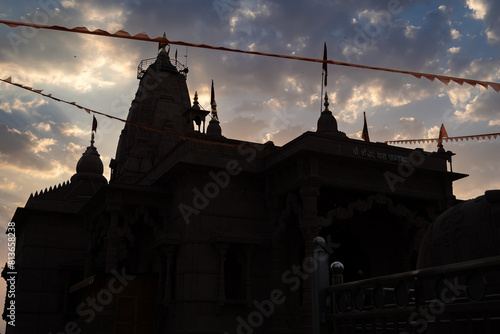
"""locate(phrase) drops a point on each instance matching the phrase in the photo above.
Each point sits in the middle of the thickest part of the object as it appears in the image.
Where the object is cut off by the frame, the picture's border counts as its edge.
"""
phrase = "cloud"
(42, 126)
(20, 151)
(24, 106)
(475, 161)
(71, 130)
(410, 128)
(479, 8)
(6, 214)
(6, 184)
(72, 147)
(489, 12)
(482, 107)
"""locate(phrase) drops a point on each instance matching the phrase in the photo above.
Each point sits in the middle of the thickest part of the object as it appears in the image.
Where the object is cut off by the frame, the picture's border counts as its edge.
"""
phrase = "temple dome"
(327, 124)
(213, 128)
(90, 162)
(89, 166)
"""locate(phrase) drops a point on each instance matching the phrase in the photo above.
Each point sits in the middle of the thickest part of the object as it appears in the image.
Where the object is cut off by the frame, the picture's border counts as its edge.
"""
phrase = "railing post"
(337, 268)
(320, 281)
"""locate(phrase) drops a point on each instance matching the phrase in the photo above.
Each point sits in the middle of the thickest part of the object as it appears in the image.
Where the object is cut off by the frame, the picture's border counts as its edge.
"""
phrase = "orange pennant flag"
(442, 134)
(365, 135)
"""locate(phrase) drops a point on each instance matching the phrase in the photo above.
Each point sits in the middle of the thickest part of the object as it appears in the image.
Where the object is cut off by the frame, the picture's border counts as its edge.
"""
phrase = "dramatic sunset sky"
(258, 98)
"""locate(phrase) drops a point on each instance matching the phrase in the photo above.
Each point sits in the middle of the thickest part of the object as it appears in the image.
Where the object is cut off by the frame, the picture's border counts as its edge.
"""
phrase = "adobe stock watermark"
(95, 304)
(292, 277)
(365, 35)
(425, 314)
(46, 10)
(405, 169)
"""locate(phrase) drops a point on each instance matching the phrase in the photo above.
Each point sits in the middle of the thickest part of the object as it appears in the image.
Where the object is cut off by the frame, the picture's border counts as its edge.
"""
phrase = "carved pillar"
(113, 240)
(310, 228)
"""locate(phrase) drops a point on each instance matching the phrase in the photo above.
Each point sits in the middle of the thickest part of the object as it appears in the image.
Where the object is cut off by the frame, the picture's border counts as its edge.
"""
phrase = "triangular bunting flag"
(364, 134)
(122, 33)
(495, 86)
(442, 134)
(141, 35)
(444, 80)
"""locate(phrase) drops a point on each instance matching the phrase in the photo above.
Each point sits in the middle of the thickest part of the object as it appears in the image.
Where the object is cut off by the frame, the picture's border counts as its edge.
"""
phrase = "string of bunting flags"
(404, 141)
(450, 139)
(144, 37)
(39, 91)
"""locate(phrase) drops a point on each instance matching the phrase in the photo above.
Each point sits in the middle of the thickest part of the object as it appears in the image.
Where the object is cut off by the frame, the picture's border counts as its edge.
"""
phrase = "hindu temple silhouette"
(194, 231)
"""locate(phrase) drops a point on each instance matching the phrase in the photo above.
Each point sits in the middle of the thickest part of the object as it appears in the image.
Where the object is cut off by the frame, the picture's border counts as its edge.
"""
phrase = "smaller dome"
(90, 166)
(213, 128)
(90, 162)
(327, 123)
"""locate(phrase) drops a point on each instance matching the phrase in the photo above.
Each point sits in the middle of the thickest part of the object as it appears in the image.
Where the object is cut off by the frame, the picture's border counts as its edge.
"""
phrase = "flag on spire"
(212, 96)
(94, 125)
(365, 135)
(325, 65)
(442, 134)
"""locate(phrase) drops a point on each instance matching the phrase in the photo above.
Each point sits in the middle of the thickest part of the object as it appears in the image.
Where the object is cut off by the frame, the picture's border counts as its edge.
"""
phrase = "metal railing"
(144, 65)
(456, 298)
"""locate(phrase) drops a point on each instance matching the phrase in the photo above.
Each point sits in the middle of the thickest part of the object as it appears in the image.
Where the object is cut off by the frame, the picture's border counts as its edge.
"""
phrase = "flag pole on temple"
(94, 129)
(324, 75)
(364, 134)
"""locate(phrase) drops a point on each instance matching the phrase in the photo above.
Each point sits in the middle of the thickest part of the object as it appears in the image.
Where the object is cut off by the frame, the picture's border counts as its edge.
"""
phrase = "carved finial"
(195, 97)
(213, 103)
(326, 104)
(163, 45)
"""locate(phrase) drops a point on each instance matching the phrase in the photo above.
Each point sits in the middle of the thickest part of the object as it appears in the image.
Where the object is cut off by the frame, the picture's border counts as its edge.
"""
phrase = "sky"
(259, 98)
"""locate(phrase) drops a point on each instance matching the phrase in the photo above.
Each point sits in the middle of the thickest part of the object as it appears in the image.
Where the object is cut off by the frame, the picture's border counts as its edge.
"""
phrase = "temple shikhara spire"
(214, 128)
